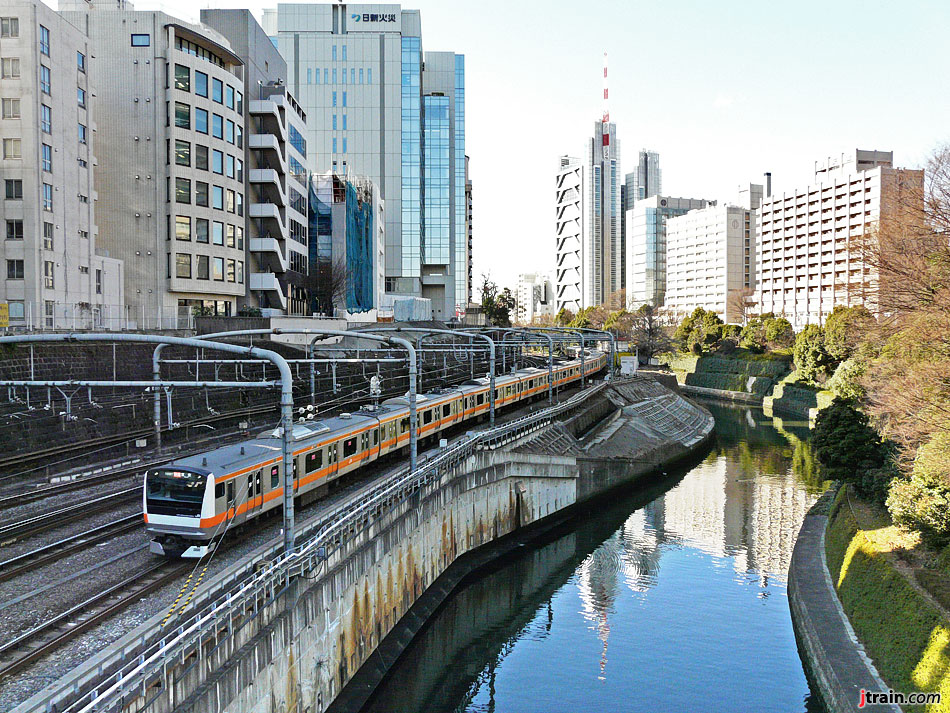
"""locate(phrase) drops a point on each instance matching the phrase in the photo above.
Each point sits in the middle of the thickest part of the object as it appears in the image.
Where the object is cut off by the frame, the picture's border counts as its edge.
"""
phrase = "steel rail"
(13, 531)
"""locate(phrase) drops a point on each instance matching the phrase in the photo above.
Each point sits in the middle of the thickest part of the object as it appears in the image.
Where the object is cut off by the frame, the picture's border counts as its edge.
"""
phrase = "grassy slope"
(905, 635)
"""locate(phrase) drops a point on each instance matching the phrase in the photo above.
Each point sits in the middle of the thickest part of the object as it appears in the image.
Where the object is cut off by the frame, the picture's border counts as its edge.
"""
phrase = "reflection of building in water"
(724, 510)
(632, 555)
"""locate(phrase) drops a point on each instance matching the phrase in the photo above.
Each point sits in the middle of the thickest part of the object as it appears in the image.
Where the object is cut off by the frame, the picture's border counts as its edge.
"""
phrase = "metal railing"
(260, 589)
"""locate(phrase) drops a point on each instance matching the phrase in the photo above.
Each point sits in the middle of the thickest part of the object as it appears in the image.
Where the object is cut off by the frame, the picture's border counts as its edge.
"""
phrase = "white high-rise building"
(603, 262)
(534, 297)
(809, 257)
(570, 234)
(56, 273)
(710, 259)
(380, 108)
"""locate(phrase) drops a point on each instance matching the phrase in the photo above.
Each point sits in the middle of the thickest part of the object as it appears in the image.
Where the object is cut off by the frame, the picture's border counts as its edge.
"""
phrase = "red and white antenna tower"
(605, 121)
(606, 110)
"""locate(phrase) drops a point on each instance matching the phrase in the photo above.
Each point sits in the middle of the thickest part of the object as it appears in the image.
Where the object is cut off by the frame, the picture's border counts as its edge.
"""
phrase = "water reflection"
(592, 621)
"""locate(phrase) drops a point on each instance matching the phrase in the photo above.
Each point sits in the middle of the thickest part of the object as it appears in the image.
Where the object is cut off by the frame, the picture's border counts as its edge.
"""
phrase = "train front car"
(175, 501)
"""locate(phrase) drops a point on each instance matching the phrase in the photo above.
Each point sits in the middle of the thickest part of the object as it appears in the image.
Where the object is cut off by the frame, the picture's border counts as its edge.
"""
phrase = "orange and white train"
(190, 503)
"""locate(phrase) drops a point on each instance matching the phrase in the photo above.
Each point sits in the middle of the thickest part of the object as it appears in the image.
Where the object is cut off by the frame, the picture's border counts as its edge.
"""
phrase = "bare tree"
(740, 303)
(650, 332)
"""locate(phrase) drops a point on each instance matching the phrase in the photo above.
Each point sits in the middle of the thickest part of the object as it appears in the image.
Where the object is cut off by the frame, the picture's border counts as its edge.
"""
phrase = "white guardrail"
(141, 668)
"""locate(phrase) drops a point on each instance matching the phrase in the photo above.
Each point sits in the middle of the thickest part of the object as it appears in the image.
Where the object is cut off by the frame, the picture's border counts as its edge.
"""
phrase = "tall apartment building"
(169, 141)
(710, 257)
(382, 109)
(56, 275)
(809, 257)
(276, 177)
(468, 228)
(570, 234)
(646, 246)
(603, 260)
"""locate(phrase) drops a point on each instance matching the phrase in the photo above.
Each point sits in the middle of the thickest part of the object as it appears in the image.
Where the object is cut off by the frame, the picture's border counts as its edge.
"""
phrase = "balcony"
(272, 246)
(271, 213)
(270, 111)
(271, 179)
(269, 144)
(267, 282)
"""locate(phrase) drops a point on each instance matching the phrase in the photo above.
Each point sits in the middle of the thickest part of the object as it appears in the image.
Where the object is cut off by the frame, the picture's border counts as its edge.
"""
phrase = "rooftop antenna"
(606, 118)
(605, 121)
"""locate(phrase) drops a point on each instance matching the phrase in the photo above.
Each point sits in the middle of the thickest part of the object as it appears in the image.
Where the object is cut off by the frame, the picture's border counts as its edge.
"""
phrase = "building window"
(201, 194)
(230, 236)
(326, 75)
(81, 61)
(217, 198)
(141, 40)
(333, 122)
(230, 166)
(47, 158)
(182, 227)
(9, 27)
(361, 75)
(217, 126)
(13, 189)
(334, 145)
(201, 157)
(333, 98)
(49, 277)
(82, 134)
(344, 98)
(14, 269)
(9, 67)
(44, 40)
(310, 75)
(240, 170)
(239, 201)
(98, 282)
(48, 235)
(182, 190)
(344, 144)
(240, 272)
(182, 153)
(201, 84)
(201, 268)
(12, 149)
(45, 81)
(83, 199)
(201, 120)
(201, 230)
(10, 108)
(232, 270)
(344, 122)
(217, 162)
(239, 136)
(239, 234)
(369, 75)
(182, 115)
(47, 197)
(229, 96)
(46, 119)
(229, 132)
(83, 269)
(240, 103)
(219, 269)
(183, 266)
(81, 97)
(15, 230)
(17, 311)
(333, 53)
(217, 90)
(49, 308)
(217, 234)
(344, 53)
(182, 78)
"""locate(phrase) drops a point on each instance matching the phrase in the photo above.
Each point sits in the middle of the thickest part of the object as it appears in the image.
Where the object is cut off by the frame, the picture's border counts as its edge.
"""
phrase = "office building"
(57, 274)
(169, 141)
(275, 176)
(534, 297)
(602, 276)
(809, 255)
(468, 228)
(646, 246)
(570, 234)
(710, 257)
(347, 246)
(645, 181)
(380, 108)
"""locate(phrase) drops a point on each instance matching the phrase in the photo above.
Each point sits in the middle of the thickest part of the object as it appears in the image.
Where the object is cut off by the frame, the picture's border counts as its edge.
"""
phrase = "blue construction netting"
(359, 252)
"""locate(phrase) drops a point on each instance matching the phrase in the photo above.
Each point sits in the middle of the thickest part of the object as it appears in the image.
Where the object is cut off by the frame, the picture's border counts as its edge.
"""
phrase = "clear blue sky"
(723, 90)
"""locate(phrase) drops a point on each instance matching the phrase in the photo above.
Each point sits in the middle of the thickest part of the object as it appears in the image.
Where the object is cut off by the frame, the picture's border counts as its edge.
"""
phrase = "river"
(668, 600)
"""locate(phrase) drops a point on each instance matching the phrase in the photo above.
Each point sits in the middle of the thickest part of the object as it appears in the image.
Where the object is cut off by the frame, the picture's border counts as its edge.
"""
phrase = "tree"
(740, 304)
(811, 359)
(650, 333)
(850, 450)
(697, 330)
(496, 304)
(779, 333)
(845, 329)
(564, 317)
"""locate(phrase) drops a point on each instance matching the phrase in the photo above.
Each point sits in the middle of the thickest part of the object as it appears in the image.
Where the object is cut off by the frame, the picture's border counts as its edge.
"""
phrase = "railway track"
(12, 531)
(17, 654)
(15, 566)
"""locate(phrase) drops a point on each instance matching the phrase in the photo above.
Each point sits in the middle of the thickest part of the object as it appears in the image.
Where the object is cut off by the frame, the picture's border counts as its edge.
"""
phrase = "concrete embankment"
(327, 638)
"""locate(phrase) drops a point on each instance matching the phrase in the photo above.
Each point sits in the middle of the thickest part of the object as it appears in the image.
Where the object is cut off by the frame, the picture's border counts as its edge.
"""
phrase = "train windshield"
(174, 492)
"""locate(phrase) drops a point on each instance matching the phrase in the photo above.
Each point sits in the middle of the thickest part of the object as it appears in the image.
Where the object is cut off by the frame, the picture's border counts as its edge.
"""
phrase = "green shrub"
(845, 329)
(811, 359)
(779, 333)
(922, 501)
(850, 450)
(845, 383)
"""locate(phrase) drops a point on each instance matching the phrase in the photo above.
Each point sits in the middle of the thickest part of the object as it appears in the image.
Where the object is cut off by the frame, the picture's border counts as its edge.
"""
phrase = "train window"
(274, 477)
(218, 490)
(257, 482)
(364, 441)
(427, 416)
(446, 410)
(314, 460)
(349, 447)
(404, 425)
(250, 486)
(376, 436)
(230, 492)
(480, 399)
